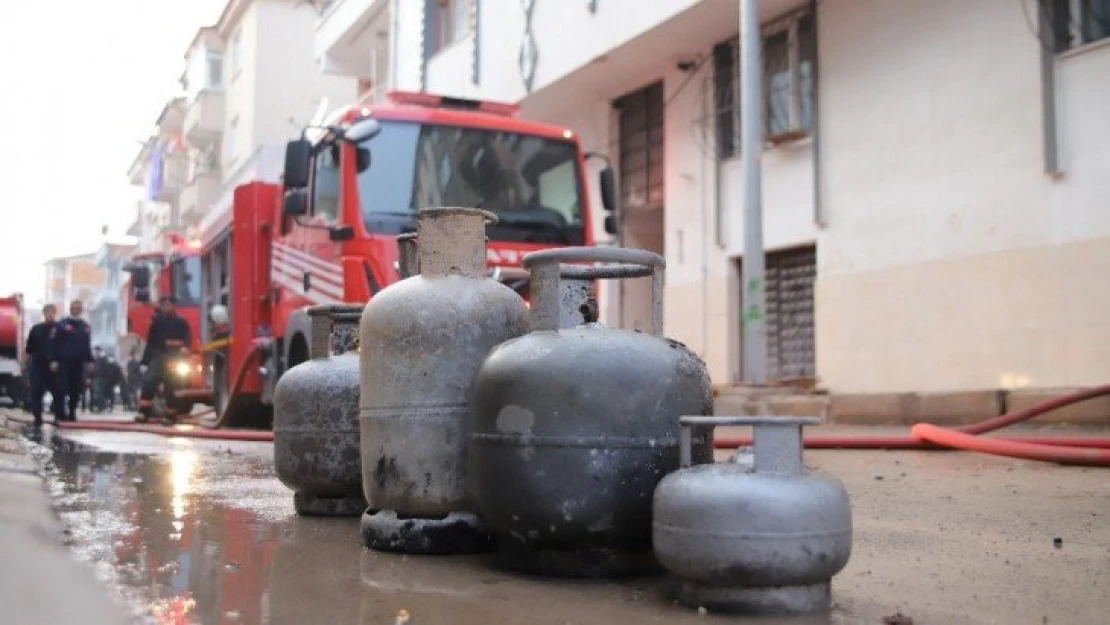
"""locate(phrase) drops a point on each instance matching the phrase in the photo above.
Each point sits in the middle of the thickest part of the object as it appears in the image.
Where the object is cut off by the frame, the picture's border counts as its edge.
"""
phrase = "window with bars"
(1076, 23)
(789, 53)
(789, 278)
(641, 130)
(450, 20)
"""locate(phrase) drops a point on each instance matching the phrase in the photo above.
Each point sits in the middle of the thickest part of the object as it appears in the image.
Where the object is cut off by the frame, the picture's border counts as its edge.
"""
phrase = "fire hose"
(203, 430)
(1094, 451)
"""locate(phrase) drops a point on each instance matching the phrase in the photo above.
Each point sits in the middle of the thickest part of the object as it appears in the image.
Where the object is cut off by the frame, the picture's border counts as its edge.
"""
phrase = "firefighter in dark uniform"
(169, 333)
(38, 357)
(70, 357)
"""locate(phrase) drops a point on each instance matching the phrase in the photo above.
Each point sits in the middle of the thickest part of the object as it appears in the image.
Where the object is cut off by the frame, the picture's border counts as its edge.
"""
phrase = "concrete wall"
(950, 260)
(290, 84)
(279, 80)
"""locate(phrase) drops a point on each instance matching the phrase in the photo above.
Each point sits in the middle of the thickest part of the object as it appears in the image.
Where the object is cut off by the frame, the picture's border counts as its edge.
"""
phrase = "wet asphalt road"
(196, 531)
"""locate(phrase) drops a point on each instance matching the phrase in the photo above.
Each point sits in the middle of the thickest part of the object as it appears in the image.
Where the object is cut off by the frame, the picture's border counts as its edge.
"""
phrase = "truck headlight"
(182, 368)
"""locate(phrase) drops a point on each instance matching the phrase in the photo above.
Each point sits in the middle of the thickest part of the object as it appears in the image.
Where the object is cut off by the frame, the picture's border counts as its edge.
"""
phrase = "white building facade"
(936, 179)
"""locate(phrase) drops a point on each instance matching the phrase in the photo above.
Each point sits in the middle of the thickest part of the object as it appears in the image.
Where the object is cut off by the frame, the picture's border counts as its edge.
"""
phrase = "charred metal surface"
(422, 340)
(763, 536)
(316, 451)
(585, 420)
(457, 532)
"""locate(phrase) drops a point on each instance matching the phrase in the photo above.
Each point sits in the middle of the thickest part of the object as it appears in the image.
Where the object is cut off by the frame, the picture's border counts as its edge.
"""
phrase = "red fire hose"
(1013, 449)
(183, 431)
(916, 441)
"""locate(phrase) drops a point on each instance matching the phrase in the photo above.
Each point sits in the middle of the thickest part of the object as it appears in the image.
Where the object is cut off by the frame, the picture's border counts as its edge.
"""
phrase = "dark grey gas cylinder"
(758, 537)
(316, 450)
(422, 340)
(573, 427)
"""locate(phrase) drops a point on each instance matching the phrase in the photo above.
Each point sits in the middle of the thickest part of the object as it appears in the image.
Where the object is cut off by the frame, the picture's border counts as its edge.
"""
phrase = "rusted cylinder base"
(756, 601)
(308, 504)
(457, 532)
(581, 562)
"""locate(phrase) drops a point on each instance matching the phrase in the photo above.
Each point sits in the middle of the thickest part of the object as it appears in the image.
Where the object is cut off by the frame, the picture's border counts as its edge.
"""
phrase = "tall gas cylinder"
(759, 537)
(573, 427)
(316, 451)
(422, 340)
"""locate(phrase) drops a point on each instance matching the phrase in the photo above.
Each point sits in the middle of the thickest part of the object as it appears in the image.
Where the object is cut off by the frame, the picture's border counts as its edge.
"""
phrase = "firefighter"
(70, 357)
(167, 328)
(38, 362)
(134, 380)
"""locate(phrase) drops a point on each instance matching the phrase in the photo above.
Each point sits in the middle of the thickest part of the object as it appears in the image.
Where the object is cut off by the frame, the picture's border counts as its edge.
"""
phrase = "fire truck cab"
(351, 184)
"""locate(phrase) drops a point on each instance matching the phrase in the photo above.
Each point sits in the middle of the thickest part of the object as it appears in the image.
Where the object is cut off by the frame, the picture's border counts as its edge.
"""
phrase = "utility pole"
(753, 295)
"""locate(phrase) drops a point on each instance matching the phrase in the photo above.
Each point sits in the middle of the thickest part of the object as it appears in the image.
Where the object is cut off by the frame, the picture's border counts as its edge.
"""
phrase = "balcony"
(197, 197)
(350, 35)
(204, 119)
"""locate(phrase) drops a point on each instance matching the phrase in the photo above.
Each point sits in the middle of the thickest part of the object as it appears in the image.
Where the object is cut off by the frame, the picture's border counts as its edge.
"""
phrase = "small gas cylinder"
(758, 537)
(422, 340)
(316, 450)
(574, 426)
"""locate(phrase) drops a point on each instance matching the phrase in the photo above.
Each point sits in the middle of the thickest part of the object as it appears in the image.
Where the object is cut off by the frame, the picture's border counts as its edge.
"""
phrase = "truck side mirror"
(295, 203)
(608, 189)
(298, 163)
(362, 159)
(140, 276)
(341, 233)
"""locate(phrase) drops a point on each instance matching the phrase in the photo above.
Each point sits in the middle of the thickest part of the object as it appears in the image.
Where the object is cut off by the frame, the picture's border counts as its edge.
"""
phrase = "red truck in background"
(351, 184)
(12, 335)
(175, 273)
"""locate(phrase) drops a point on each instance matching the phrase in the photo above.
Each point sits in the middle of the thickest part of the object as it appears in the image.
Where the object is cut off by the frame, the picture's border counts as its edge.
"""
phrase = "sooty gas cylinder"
(422, 340)
(574, 426)
(316, 450)
(758, 537)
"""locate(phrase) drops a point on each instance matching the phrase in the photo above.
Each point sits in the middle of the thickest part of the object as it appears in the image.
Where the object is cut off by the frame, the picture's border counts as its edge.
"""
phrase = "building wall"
(240, 91)
(289, 84)
(947, 259)
(950, 260)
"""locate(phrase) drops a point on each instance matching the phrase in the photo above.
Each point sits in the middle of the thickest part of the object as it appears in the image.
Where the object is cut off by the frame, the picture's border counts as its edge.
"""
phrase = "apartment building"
(71, 278)
(934, 175)
(108, 304)
(161, 170)
(249, 84)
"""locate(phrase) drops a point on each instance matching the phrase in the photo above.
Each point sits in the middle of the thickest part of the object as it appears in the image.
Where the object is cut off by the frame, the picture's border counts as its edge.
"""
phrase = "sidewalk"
(40, 583)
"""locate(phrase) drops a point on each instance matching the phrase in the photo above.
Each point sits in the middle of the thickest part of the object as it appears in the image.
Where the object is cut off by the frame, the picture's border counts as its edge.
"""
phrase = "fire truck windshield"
(186, 280)
(532, 183)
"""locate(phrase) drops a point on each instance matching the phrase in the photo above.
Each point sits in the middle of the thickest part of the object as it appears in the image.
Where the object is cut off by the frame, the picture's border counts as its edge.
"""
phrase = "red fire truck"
(176, 273)
(12, 334)
(350, 186)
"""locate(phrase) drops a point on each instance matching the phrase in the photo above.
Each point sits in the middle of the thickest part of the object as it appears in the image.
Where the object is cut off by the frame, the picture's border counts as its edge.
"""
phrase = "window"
(186, 280)
(236, 53)
(1077, 22)
(531, 183)
(214, 64)
(325, 184)
(789, 278)
(788, 83)
(641, 147)
(451, 19)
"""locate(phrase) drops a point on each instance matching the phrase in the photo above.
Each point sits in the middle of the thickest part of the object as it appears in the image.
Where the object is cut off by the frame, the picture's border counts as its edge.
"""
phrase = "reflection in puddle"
(201, 533)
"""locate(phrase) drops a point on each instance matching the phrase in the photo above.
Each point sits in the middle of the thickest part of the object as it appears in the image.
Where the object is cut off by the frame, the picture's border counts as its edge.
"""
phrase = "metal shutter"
(790, 276)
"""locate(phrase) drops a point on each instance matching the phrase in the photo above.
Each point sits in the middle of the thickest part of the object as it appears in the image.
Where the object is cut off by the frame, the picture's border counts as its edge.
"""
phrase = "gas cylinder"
(763, 536)
(408, 260)
(422, 340)
(316, 450)
(574, 426)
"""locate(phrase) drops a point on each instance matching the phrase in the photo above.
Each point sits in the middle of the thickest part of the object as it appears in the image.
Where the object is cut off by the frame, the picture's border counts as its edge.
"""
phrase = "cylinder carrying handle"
(547, 270)
(777, 441)
(323, 318)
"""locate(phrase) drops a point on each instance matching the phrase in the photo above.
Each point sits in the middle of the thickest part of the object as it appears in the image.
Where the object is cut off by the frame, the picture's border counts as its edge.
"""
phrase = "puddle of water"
(205, 534)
